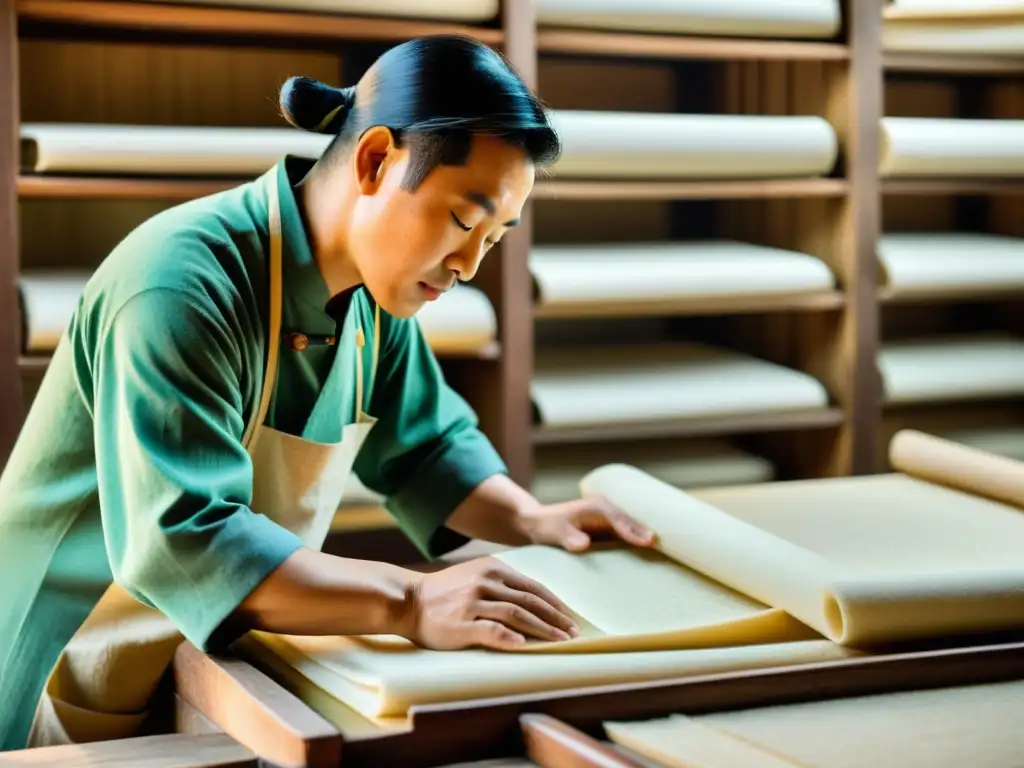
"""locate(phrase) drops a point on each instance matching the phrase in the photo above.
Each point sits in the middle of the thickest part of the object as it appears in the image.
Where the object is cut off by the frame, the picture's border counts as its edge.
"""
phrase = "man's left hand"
(571, 524)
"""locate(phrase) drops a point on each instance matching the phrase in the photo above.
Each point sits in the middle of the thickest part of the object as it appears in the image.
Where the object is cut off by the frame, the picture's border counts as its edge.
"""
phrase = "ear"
(374, 154)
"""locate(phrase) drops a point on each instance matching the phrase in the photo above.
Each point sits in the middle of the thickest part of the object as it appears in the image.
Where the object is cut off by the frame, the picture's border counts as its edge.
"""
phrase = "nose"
(465, 262)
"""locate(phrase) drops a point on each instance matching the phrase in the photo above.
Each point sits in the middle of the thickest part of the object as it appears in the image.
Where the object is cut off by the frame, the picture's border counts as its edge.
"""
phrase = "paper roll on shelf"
(647, 145)
(949, 147)
(460, 322)
(588, 277)
(453, 10)
(988, 37)
(952, 368)
(952, 727)
(680, 463)
(102, 149)
(48, 300)
(747, 18)
(950, 263)
(641, 383)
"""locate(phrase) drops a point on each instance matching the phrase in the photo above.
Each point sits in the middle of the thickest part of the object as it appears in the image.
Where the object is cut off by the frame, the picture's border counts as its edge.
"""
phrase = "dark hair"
(434, 93)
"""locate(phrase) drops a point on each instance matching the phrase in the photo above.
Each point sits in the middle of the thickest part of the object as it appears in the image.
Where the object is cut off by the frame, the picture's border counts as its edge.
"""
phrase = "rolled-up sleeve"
(175, 481)
(426, 453)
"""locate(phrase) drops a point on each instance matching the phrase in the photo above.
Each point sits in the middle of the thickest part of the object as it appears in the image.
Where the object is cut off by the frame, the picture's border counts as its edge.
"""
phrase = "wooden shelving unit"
(833, 335)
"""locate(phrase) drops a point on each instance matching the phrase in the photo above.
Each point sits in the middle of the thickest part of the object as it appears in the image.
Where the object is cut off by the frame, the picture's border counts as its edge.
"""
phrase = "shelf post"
(506, 410)
(11, 404)
(861, 104)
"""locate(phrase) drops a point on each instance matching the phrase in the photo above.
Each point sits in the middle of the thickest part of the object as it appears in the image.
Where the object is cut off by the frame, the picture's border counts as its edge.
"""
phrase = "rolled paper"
(594, 274)
(621, 145)
(49, 299)
(747, 18)
(952, 368)
(930, 146)
(461, 321)
(950, 263)
(638, 383)
(161, 150)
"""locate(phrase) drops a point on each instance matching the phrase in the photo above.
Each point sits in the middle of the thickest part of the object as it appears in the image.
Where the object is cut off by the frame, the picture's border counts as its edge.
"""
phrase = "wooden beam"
(12, 410)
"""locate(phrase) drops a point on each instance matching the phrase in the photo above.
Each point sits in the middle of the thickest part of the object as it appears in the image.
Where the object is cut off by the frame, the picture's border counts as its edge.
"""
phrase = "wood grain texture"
(550, 743)
(163, 751)
(254, 710)
(11, 399)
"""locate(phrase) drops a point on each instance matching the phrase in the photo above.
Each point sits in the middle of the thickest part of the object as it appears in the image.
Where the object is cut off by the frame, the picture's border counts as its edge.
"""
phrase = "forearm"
(494, 512)
(312, 593)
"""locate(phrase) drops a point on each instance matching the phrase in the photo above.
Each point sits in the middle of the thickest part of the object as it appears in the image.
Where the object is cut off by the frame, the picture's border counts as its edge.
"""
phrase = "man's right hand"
(484, 602)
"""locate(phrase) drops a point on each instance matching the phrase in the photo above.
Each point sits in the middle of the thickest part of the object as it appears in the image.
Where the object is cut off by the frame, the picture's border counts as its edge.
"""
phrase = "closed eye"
(459, 223)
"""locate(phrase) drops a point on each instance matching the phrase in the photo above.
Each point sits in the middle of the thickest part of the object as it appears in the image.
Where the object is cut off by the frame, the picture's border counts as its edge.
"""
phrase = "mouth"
(431, 292)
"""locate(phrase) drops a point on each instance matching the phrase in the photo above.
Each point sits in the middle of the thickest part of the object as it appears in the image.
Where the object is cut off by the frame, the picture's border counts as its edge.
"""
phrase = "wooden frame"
(230, 694)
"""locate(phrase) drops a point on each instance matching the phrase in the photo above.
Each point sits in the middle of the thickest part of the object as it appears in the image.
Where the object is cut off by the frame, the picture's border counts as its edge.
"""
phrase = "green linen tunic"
(130, 465)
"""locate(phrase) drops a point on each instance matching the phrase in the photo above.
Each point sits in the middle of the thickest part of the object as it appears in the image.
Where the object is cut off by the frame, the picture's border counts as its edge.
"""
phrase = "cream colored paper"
(988, 37)
(685, 463)
(957, 6)
(49, 299)
(952, 368)
(454, 10)
(944, 263)
(462, 321)
(161, 150)
(618, 384)
(582, 275)
(383, 679)
(929, 146)
(751, 18)
(948, 561)
(976, 725)
(618, 145)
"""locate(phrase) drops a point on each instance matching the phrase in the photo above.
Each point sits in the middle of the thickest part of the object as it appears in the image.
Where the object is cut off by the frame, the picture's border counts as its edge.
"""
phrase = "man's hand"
(571, 524)
(483, 602)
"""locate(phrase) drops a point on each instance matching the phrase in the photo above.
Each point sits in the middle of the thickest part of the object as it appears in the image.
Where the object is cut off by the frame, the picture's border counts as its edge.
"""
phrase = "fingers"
(529, 613)
(599, 514)
(493, 634)
(521, 583)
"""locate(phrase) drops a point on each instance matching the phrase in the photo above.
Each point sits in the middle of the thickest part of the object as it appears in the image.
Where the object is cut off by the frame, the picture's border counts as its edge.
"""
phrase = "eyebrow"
(488, 205)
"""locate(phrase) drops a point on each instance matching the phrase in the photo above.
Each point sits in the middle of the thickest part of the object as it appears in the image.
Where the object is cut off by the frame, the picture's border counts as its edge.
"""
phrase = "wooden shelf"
(719, 305)
(952, 296)
(649, 46)
(811, 418)
(953, 186)
(688, 190)
(261, 25)
(32, 365)
(953, 64)
(85, 188)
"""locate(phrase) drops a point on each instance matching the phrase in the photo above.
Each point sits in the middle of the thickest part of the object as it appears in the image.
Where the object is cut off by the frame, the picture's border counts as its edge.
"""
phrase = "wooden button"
(298, 341)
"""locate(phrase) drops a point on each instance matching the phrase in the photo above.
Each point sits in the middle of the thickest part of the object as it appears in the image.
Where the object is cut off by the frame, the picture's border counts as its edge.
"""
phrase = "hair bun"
(313, 106)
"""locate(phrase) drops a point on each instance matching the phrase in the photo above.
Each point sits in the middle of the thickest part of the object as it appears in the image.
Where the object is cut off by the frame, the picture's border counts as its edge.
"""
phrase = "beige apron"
(102, 685)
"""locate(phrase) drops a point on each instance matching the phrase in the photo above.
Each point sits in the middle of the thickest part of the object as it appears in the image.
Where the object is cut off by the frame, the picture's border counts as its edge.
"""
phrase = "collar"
(305, 292)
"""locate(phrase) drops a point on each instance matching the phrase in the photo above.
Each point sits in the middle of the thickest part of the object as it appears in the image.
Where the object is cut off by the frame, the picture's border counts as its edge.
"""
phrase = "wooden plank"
(550, 743)
(11, 412)
(720, 305)
(688, 190)
(124, 188)
(259, 25)
(811, 418)
(953, 187)
(952, 63)
(255, 711)
(164, 751)
(593, 43)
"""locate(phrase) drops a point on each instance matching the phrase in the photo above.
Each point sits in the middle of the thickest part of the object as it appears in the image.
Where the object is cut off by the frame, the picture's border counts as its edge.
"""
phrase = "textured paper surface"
(615, 384)
(952, 368)
(973, 725)
(965, 263)
(794, 18)
(660, 145)
(988, 37)
(931, 146)
(455, 10)
(580, 275)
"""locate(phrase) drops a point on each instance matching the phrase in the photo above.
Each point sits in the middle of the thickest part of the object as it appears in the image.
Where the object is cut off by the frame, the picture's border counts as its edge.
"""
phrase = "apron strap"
(360, 343)
(274, 330)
